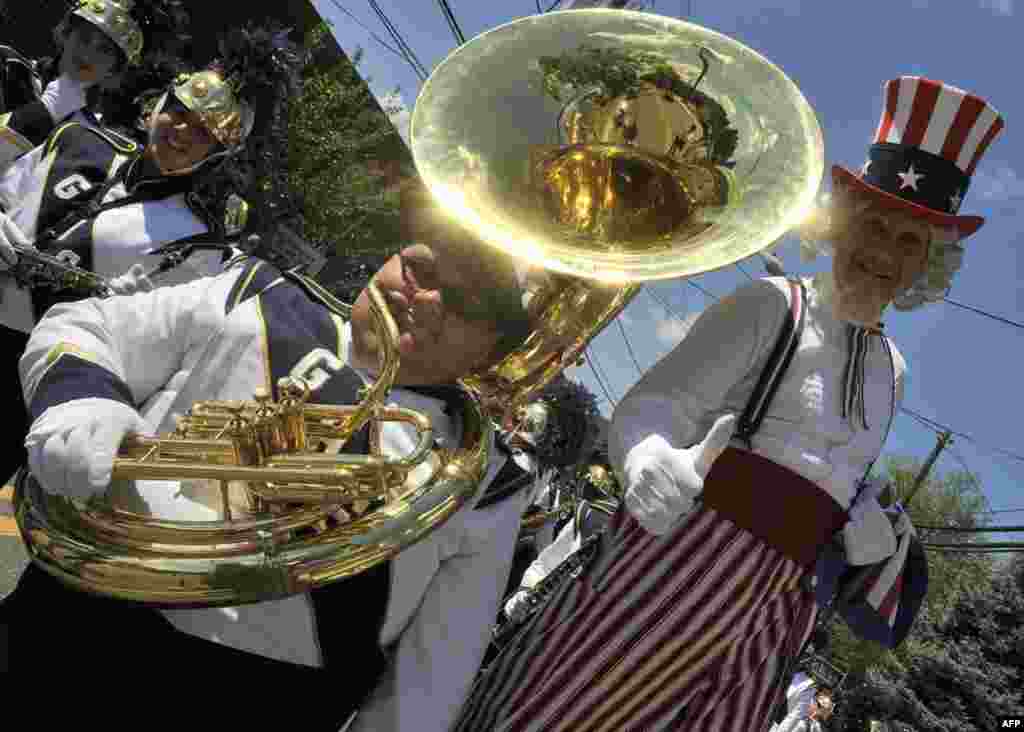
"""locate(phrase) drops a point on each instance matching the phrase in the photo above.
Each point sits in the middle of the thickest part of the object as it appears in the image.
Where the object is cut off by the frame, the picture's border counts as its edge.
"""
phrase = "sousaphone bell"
(606, 148)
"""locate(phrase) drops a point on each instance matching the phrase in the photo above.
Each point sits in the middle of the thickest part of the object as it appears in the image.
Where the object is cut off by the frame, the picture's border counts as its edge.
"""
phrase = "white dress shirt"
(715, 369)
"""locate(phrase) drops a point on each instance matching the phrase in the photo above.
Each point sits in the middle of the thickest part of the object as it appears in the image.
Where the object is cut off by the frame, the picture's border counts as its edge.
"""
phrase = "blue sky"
(964, 369)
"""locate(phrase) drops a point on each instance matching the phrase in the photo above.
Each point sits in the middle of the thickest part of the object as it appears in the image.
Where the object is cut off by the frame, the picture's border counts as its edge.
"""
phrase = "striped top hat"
(928, 143)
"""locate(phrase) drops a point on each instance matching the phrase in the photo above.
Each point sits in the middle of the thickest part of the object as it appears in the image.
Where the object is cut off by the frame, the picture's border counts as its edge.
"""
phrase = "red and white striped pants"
(686, 631)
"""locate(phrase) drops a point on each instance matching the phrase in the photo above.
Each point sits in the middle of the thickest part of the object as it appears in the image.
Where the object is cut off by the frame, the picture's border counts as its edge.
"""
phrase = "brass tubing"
(255, 557)
(182, 564)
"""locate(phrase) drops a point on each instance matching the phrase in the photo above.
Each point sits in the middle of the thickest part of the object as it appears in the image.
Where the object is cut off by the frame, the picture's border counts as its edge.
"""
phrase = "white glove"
(662, 482)
(10, 235)
(71, 446)
(132, 281)
(868, 537)
(516, 607)
(64, 96)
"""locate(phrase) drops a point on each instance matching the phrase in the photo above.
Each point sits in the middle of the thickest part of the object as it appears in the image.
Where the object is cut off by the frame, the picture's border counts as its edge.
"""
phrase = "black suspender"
(775, 369)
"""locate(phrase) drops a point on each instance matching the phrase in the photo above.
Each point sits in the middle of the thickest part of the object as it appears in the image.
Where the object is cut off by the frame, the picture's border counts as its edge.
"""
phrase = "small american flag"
(884, 589)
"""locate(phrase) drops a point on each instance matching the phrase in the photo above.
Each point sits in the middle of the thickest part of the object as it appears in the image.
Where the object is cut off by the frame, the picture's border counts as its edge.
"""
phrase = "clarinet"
(571, 568)
(61, 273)
(56, 273)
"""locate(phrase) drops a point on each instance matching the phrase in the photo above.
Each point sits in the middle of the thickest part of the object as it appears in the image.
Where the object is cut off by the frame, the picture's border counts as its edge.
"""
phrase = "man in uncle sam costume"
(744, 455)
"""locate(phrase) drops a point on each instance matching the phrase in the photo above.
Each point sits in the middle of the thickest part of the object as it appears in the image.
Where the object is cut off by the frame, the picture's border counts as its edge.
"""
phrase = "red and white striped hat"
(927, 145)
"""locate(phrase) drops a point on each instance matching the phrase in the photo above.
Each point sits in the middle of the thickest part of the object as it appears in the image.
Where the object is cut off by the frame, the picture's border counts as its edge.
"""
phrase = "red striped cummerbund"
(773, 503)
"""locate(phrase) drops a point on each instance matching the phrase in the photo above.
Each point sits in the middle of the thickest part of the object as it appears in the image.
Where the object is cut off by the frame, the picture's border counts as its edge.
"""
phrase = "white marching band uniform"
(75, 160)
(799, 697)
(202, 340)
(41, 188)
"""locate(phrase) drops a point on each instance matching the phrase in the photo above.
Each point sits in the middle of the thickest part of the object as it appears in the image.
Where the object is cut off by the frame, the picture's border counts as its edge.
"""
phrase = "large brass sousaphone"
(296, 516)
(603, 148)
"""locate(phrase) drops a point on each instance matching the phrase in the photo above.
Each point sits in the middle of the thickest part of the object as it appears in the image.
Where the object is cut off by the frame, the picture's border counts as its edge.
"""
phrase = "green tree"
(345, 155)
(961, 672)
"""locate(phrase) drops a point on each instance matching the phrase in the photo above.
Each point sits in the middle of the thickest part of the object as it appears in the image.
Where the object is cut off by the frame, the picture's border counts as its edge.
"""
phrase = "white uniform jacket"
(799, 697)
(73, 165)
(221, 338)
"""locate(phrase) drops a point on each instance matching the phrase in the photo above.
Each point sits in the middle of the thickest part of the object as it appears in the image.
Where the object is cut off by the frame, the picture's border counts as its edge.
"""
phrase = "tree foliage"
(963, 663)
(958, 672)
(345, 156)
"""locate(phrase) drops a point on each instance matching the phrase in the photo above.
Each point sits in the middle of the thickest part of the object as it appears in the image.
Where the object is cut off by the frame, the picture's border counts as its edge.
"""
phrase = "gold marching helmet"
(667, 151)
(254, 63)
(114, 18)
(215, 100)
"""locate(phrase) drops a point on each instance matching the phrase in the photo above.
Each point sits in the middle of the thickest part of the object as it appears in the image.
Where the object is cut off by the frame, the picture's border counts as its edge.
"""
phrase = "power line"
(979, 311)
(705, 291)
(629, 347)
(600, 369)
(657, 298)
(963, 464)
(600, 381)
(446, 10)
(373, 35)
(920, 421)
(407, 51)
(993, 548)
(937, 425)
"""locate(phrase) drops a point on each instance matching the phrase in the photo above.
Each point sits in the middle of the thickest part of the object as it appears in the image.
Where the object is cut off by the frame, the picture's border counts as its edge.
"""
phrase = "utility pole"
(944, 439)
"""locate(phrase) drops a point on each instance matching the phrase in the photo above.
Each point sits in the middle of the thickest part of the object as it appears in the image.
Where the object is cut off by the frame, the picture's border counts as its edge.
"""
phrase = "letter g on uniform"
(72, 186)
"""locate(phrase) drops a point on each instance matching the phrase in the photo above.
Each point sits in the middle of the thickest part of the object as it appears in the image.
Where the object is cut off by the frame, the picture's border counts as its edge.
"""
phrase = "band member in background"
(108, 200)
(596, 499)
(553, 434)
(808, 705)
(415, 627)
(799, 696)
(690, 614)
(97, 42)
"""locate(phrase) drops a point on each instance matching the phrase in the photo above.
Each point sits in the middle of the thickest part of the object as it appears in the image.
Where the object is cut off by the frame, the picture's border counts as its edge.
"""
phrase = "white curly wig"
(945, 252)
